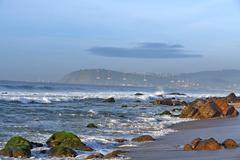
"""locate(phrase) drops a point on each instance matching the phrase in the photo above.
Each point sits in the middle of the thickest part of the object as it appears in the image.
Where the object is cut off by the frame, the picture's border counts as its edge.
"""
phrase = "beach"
(170, 147)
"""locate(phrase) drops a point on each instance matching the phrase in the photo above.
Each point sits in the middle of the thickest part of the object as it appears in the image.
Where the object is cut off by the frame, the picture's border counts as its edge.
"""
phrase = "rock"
(187, 147)
(43, 151)
(176, 109)
(138, 101)
(109, 100)
(36, 145)
(60, 151)
(120, 140)
(124, 106)
(208, 144)
(17, 147)
(195, 142)
(139, 94)
(222, 105)
(95, 156)
(208, 108)
(166, 113)
(231, 97)
(177, 94)
(92, 125)
(114, 154)
(230, 144)
(68, 140)
(16, 152)
(169, 102)
(144, 138)
(18, 142)
(188, 112)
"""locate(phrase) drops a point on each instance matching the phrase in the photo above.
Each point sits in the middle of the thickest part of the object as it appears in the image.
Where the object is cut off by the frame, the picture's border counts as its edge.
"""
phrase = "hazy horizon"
(44, 40)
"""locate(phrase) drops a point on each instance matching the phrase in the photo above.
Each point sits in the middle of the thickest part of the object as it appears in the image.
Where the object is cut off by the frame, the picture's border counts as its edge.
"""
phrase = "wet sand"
(170, 147)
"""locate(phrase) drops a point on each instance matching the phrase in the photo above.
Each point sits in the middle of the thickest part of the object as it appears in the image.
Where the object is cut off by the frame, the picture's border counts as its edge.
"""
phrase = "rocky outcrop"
(60, 151)
(17, 147)
(144, 138)
(210, 144)
(68, 140)
(209, 108)
(169, 102)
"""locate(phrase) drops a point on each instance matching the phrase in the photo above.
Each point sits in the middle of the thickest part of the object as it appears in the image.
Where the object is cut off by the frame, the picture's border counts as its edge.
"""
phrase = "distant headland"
(227, 79)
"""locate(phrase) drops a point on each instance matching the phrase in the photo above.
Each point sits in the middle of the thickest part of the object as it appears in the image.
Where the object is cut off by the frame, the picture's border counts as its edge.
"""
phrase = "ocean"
(37, 110)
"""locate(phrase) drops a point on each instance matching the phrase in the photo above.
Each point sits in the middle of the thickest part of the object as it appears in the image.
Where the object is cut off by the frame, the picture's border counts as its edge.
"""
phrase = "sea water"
(37, 110)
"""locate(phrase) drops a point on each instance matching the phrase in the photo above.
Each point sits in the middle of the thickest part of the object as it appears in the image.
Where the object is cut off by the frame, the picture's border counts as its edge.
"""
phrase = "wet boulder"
(195, 142)
(210, 144)
(168, 113)
(17, 146)
(60, 151)
(92, 125)
(109, 100)
(232, 98)
(187, 147)
(230, 144)
(95, 156)
(120, 140)
(114, 154)
(177, 94)
(16, 152)
(144, 138)
(68, 140)
(124, 106)
(36, 144)
(139, 94)
(200, 145)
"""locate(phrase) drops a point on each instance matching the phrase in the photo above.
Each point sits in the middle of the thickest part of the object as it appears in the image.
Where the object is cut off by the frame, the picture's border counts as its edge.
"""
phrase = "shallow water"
(36, 110)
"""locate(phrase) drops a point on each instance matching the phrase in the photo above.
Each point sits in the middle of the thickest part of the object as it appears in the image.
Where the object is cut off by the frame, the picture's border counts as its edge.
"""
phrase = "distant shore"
(170, 147)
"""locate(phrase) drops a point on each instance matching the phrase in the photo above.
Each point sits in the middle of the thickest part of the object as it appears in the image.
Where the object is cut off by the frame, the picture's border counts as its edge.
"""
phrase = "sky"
(46, 39)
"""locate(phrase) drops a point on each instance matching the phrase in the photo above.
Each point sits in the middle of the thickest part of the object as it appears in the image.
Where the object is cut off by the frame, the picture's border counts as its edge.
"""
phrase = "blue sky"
(43, 40)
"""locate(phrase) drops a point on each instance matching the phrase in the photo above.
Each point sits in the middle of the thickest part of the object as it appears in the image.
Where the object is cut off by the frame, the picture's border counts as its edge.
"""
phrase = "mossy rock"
(18, 142)
(92, 125)
(17, 146)
(166, 113)
(67, 139)
(16, 152)
(60, 151)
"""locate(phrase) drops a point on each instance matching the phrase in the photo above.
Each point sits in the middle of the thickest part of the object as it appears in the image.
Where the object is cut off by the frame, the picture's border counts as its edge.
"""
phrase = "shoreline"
(170, 147)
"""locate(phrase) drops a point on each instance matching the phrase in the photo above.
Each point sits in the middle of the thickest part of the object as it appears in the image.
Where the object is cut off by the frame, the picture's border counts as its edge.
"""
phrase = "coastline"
(170, 147)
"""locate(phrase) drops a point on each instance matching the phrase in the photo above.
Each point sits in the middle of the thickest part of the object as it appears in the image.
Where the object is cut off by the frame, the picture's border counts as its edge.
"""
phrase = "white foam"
(49, 97)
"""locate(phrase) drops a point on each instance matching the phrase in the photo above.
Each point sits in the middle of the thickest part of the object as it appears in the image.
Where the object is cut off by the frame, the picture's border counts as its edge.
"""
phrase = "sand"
(170, 147)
